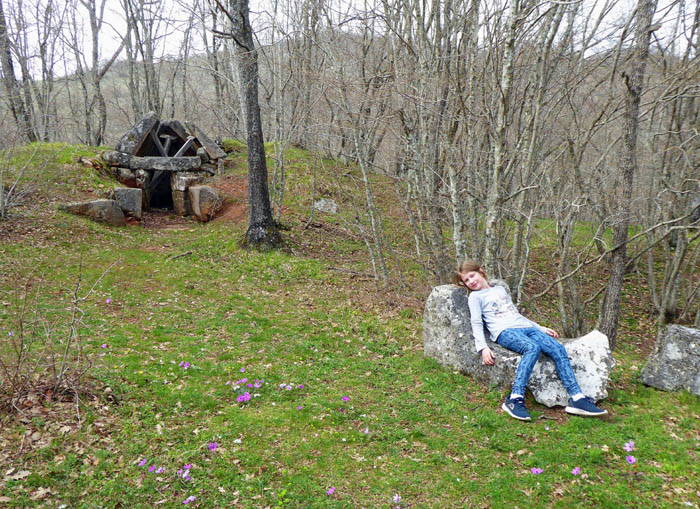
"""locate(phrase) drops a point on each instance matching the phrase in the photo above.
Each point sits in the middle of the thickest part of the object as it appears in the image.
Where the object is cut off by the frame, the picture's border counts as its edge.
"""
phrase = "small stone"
(326, 205)
(203, 155)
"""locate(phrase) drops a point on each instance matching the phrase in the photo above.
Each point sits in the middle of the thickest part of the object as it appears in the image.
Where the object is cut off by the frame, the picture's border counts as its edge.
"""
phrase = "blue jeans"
(530, 342)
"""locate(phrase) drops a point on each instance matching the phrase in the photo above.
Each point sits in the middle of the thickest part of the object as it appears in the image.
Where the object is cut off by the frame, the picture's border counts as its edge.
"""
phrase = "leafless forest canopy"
(487, 114)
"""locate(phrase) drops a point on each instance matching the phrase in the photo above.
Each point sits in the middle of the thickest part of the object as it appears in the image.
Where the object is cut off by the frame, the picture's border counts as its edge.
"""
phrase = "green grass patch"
(315, 391)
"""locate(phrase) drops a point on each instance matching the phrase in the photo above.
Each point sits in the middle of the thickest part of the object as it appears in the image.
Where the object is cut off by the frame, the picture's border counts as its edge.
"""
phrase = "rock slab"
(130, 200)
(134, 138)
(447, 338)
(205, 202)
(173, 164)
(103, 211)
(675, 363)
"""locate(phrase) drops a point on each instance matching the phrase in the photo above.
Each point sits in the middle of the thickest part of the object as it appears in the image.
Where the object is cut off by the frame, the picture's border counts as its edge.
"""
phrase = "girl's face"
(474, 280)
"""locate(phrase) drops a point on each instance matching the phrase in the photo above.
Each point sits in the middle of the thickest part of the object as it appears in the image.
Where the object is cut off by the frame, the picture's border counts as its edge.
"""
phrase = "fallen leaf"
(19, 475)
(40, 494)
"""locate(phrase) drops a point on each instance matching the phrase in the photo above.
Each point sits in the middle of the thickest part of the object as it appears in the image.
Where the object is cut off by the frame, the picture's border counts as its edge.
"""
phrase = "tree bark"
(634, 81)
(262, 232)
(14, 96)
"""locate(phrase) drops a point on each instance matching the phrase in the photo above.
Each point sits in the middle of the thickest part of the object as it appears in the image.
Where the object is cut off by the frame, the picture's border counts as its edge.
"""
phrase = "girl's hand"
(487, 357)
(552, 333)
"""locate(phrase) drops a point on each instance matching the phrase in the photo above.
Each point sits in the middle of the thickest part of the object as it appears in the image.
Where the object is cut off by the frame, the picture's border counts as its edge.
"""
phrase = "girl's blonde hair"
(468, 266)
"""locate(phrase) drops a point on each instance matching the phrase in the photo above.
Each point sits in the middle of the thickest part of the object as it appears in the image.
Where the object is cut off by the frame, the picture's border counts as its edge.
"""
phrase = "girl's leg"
(557, 352)
(516, 341)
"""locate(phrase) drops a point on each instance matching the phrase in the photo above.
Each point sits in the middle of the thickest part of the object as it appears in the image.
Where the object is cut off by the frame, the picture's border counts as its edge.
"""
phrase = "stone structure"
(447, 338)
(163, 159)
(675, 363)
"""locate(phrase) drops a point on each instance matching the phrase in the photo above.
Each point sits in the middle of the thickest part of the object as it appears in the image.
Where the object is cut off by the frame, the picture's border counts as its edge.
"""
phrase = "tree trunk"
(262, 232)
(14, 96)
(634, 81)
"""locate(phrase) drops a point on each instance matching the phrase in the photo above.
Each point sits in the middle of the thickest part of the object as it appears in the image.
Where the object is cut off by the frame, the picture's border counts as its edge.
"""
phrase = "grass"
(408, 427)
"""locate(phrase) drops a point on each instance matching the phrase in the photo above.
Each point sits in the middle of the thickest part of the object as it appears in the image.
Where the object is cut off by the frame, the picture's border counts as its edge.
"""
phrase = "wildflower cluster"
(629, 447)
(184, 472)
(289, 387)
(184, 364)
(151, 468)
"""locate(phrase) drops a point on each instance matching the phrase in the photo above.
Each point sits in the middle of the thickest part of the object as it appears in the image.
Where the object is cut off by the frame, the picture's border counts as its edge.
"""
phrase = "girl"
(491, 306)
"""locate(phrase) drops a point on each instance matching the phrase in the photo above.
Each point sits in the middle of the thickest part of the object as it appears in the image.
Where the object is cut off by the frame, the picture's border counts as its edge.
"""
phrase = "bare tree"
(634, 82)
(21, 111)
(262, 232)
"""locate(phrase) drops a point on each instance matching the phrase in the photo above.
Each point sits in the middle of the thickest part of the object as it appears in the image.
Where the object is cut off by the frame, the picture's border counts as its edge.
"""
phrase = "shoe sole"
(584, 413)
(507, 410)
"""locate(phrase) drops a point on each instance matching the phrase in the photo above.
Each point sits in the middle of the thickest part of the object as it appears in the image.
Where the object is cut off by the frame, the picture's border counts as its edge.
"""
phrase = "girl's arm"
(477, 322)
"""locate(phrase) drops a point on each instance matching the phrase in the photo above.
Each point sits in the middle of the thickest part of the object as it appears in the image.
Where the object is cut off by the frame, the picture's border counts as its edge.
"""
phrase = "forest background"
(489, 117)
(164, 364)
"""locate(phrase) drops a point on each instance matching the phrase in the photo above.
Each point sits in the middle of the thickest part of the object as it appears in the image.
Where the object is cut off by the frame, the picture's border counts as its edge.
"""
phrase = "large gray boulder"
(130, 200)
(675, 363)
(103, 211)
(447, 338)
(205, 202)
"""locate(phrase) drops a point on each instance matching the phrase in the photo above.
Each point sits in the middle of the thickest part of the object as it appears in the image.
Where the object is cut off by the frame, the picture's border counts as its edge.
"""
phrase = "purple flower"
(242, 381)
(11, 333)
(629, 446)
(299, 407)
(213, 445)
(301, 386)
(631, 460)
(257, 385)
(151, 468)
(243, 397)
(366, 431)
(103, 345)
(342, 410)
(345, 398)
(331, 490)
(536, 470)
(160, 470)
(576, 471)
(288, 387)
(184, 364)
(188, 466)
(189, 499)
(108, 300)
(143, 462)
(249, 385)
(397, 498)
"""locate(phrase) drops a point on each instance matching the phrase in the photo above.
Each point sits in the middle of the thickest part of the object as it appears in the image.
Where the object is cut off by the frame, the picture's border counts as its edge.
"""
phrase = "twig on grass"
(175, 257)
(353, 272)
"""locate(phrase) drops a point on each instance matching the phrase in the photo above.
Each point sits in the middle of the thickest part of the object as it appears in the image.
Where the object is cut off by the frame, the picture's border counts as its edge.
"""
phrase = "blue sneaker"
(585, 407)
(516, 408)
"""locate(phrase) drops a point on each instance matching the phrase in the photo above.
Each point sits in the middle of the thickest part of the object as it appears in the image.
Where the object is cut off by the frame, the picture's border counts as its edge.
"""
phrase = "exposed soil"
(234, 188)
